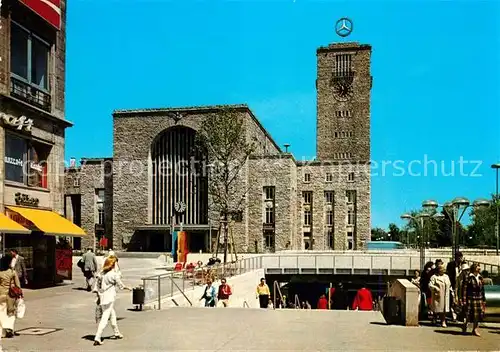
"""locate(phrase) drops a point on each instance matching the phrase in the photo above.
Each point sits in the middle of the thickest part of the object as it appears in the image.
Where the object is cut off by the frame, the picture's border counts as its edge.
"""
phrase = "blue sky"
(436, 90)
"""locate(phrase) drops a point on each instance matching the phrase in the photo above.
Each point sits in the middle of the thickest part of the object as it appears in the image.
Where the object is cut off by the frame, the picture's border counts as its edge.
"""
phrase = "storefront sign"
(19, 122)
(18, 218)
(64, 263)
(13, 161)
(24, 199)
(49, 10)
(36, 166)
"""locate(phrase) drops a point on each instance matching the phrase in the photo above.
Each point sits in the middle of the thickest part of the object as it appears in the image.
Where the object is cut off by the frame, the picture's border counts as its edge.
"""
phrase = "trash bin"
(138, 296)
(392, 310)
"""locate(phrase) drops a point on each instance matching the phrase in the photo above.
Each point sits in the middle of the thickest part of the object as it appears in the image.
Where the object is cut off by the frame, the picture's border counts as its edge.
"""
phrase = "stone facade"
(48, 129)
(342, 166)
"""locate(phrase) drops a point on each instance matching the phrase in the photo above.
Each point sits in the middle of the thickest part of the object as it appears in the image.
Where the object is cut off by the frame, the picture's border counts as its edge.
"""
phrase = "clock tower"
(343, 87)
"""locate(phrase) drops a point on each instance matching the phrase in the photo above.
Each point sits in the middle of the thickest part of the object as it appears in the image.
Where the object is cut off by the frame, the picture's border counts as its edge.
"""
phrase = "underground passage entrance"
(305, 288)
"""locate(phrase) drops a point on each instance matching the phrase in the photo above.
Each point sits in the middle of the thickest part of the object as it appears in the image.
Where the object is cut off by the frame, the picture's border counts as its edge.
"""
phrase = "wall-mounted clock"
(342, 90)
(180, 207)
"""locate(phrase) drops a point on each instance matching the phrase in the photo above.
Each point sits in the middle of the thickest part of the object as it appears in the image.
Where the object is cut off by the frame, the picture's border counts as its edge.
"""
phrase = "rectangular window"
(307, 177)
(350, 234)
(331, 240)
(269, 193)
(350, 177)
(329, 197)
(269, 216)
(307, 218)
(25, 161)
(350, 244)
(100, 206)
(29, 57)
(329, 177)
(351, 217)
(307, 195)
(329, 217)
(76, 182)
(351, 196)
(343, 65)
(269, 240)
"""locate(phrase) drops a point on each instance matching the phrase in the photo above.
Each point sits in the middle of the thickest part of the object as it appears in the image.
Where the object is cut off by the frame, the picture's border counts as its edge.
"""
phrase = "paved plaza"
(62, 319)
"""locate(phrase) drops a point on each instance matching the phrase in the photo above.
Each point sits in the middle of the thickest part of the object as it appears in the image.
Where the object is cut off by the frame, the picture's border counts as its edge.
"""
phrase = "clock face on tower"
(180, 207)
(342, 91)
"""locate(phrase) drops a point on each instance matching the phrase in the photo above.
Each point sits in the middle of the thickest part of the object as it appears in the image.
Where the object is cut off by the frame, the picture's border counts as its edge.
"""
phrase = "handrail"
(181, 291)
(297, 302)
(276, 287)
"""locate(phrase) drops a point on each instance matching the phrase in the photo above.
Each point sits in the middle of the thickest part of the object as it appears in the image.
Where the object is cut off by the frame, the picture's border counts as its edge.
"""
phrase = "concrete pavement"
(63, 319)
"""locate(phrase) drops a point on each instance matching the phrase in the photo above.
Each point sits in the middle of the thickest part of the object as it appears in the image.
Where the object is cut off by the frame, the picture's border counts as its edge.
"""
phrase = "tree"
(222, 135)
(434, 235)
(481, 231)
(395, 232)
(378, 234)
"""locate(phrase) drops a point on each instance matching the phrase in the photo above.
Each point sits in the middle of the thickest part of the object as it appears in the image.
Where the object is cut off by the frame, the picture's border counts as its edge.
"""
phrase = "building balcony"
(30, 94)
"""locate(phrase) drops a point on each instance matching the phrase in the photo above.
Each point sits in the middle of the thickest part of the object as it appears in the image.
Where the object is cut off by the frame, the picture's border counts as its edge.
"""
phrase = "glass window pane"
(39, 58)
(15, 149)
(19, 51)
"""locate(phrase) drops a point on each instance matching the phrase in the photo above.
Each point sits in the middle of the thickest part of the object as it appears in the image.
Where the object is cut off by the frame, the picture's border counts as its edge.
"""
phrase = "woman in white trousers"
(8, 277)
(106, 284)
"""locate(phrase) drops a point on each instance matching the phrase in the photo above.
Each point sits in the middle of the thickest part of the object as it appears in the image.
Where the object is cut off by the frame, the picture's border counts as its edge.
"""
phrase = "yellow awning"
(49, 222)
(10, 226)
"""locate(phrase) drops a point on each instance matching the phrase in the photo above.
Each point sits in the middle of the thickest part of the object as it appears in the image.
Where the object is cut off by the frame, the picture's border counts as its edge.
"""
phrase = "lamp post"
(497, 219)
(420, 222)
(455, 210)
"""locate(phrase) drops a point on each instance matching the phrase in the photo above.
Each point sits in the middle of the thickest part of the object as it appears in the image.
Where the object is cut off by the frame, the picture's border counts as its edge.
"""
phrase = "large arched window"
(178, 177)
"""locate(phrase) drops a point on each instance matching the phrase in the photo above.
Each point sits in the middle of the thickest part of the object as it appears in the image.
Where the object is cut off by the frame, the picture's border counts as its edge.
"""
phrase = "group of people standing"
(212, 297)
(457, 289)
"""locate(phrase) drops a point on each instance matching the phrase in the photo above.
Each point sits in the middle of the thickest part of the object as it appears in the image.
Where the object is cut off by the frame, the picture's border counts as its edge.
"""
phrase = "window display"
(25, 161)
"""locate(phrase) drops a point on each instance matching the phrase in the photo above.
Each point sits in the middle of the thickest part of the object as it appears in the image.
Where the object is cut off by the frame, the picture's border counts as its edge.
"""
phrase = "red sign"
(64, 263)
(49, 10)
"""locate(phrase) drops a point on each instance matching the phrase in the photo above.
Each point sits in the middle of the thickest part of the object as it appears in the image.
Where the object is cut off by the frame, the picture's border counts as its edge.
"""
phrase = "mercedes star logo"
(344, 27)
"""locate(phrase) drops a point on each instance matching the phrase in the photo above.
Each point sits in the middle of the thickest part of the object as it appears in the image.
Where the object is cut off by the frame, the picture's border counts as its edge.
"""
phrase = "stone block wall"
(277, 171)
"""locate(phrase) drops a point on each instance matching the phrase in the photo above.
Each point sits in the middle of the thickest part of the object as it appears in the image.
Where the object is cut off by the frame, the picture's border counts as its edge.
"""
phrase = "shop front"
(42, 242)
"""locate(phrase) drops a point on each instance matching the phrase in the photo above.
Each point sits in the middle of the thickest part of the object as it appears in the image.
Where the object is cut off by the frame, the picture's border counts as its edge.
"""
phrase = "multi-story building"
(317, 204)
(32, 82)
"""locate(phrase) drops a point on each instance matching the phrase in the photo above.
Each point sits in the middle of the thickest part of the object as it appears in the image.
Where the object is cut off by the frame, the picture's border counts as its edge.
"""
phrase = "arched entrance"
(178, 177)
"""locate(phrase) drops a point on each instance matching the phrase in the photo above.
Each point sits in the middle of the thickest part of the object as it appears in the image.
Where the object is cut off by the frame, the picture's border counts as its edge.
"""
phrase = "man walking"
(19, 266)
(224, 293)
(453, 271)
(89, 267)
(263, 293)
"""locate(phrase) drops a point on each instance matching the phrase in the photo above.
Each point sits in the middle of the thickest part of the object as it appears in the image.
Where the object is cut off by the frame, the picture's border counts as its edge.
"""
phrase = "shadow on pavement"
(79, 289)
(91, 337)
(451, 332)
(379, 323)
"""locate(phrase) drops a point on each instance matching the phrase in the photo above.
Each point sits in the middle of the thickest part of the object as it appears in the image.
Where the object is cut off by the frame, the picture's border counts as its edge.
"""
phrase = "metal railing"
(162, 286)
(276, 288)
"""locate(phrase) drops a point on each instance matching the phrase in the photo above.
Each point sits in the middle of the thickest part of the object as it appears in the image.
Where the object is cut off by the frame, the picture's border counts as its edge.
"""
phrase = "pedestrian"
(441, 290)
(473, 299)
(487, 281)
(263, 293)
(453, 270)
(426, 294)
(363, 300)
(224, 293)
(106, 283)
(416, 278)
(209, 294)
(461, 284)
(9, 286)
(339, 298)
(270, 304)
(89, 267)
(322, 302)
(19, 265)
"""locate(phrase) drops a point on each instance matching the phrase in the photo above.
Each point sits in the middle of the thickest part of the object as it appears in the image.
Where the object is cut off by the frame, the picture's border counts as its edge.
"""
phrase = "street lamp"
(420, 221)
(497, 220)
(455, 210)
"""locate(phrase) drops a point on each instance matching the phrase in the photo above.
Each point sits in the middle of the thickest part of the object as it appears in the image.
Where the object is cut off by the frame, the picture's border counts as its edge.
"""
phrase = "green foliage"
(481, 231)
(378, 234)
(222, 135)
